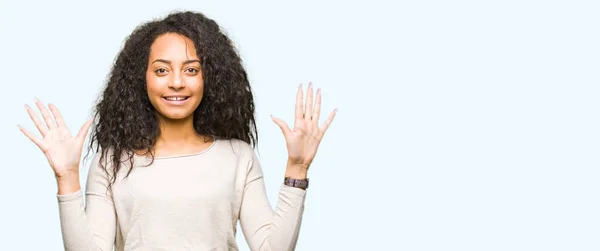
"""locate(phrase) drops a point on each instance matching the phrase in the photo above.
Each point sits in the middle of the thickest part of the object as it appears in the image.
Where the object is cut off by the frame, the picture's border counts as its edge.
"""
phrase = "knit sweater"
(186, 202)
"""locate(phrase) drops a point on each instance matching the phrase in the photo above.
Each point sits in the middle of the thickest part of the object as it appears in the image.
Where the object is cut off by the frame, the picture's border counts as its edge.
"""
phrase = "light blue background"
(462, 125)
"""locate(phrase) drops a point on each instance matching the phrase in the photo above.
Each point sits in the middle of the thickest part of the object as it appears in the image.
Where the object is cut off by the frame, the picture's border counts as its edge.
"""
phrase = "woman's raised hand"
(303, 140)
(62, 149)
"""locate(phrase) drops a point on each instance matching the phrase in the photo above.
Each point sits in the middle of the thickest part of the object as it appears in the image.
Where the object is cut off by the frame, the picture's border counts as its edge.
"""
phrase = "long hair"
(126, 121)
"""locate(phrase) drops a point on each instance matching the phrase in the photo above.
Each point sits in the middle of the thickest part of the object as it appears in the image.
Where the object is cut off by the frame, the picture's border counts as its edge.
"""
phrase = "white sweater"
(189, 202)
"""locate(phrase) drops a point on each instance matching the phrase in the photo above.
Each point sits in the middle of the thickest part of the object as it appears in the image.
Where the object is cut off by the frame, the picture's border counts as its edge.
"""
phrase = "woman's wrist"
(68, 184)
(296, 171)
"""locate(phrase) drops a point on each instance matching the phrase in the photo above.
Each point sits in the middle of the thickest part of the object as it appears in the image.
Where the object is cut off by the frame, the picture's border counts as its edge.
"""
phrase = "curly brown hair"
(126, 121)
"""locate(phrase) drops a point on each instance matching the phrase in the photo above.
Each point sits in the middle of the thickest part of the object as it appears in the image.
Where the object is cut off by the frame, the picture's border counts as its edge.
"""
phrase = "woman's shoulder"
(104, 160)
(236, 146)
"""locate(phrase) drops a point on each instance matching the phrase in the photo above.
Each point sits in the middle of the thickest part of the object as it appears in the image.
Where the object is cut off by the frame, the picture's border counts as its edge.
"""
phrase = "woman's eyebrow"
(169, 61)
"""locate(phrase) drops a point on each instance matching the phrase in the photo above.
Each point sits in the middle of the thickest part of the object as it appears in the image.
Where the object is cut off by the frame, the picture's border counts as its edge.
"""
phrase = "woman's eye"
(161, 71)
(192, 70)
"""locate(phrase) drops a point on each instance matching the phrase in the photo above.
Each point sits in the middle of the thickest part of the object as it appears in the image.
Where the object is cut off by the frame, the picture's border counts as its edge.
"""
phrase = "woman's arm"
(91, 229)
(278, 230)
(93, 226)
(265, 228)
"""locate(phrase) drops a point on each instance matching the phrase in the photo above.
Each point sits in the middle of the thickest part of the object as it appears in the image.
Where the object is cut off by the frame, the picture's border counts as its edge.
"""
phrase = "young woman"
(174, 134)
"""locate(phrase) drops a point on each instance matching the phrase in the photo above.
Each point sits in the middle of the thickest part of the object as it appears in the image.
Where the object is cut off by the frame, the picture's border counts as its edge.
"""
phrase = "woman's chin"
(176, 115)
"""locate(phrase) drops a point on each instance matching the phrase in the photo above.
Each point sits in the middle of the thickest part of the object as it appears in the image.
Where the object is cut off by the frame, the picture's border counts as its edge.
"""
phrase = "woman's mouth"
(176, 100)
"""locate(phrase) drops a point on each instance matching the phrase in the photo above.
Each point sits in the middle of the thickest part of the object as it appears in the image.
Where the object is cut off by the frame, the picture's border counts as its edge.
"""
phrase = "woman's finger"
(308, 111)
(317, 110)
(328, 122)
(299, 104)
(83, 131)
(38, 123)
(57, 116)
(33, 138)
(285, 129)
(45, 114)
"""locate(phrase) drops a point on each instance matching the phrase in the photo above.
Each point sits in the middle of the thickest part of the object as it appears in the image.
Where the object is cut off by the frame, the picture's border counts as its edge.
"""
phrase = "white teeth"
(175, 98)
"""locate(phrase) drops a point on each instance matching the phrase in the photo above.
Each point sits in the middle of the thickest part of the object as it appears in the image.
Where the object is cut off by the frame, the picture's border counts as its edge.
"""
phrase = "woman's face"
(173, 77)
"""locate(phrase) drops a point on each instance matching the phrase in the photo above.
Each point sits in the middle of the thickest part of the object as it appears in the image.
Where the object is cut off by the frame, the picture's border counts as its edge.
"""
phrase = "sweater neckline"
(188, 154)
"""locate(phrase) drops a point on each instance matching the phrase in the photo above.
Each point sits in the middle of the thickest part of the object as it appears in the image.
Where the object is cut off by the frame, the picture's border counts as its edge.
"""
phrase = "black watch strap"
(296, 182)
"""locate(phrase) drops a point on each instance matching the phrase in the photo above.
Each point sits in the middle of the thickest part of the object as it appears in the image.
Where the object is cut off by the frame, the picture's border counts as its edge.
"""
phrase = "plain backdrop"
(462, 125)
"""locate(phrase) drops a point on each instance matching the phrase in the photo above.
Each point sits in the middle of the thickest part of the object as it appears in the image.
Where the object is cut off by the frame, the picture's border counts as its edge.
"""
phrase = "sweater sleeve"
(266, 229)
(93, 226)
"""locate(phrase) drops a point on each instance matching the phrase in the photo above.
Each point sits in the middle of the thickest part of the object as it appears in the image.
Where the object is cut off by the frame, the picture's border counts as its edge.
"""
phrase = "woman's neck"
(179, 137)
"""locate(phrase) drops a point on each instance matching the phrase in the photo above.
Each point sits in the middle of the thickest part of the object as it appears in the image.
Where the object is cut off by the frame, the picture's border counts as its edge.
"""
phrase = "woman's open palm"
(303, 140)
(61, 148)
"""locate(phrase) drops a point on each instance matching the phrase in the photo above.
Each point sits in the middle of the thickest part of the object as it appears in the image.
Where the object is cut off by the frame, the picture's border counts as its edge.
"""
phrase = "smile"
(176, 98)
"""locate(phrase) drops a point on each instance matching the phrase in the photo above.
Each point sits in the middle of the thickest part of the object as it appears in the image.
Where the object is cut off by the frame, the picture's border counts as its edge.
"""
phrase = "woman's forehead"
(173, 47)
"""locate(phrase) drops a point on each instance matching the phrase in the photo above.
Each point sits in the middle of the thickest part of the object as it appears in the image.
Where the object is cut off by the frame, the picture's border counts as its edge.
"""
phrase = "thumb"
(285, 129)
(84, 130)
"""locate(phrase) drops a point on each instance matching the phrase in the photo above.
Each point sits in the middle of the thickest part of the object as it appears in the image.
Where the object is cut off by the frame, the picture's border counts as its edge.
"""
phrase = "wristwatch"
(303, 184)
